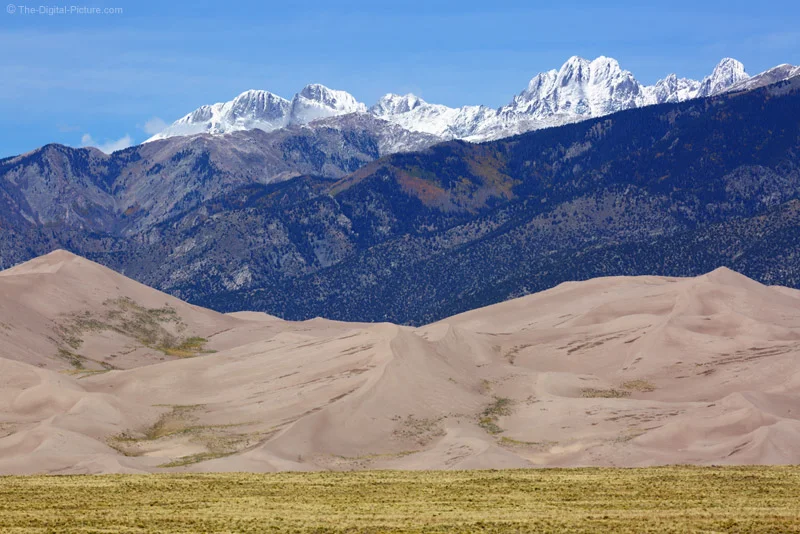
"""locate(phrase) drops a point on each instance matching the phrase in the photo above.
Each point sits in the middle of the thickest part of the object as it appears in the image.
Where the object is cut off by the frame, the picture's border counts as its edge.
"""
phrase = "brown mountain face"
(101, 374)
(131, 190)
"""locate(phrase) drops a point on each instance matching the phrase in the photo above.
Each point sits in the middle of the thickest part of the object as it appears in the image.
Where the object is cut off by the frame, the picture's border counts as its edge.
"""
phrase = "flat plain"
(659, 499)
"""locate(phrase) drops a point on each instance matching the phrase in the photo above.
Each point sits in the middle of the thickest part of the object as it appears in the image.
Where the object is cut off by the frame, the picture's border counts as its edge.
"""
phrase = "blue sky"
(104, 79)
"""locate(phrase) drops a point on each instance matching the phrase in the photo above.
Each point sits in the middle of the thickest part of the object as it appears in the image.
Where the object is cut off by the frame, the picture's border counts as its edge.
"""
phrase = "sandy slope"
(612, 371)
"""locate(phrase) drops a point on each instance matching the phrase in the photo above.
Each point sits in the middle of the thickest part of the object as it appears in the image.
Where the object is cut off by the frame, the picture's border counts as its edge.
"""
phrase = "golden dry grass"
(667, 499)
(593, 393)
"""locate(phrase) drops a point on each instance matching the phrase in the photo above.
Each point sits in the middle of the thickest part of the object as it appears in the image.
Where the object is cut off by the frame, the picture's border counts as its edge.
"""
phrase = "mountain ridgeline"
(579, 90)
(672, 189)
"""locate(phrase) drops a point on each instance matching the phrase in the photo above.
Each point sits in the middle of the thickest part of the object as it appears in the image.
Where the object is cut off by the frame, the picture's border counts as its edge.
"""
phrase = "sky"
(112, 79)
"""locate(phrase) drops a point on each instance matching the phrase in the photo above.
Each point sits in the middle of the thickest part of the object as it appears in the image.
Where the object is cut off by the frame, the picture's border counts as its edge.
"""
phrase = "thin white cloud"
(108, 146)
(154, 125)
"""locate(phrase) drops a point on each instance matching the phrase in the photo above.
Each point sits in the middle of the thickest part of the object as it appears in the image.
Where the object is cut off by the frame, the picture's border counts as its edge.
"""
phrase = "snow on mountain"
(581, 87)
(579, 90)
(773, 75)
(392, 104)
(413, 113)
(265, 111)
(671, 89)
(729, 72)
(316, 101)
(250, 110)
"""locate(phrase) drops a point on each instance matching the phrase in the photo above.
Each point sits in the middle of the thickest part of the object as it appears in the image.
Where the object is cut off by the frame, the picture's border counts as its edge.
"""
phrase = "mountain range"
(580, 89)
(330, 219)
(132, 189)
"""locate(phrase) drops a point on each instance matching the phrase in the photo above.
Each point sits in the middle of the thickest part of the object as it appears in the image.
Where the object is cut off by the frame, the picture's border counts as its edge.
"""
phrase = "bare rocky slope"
(133, 189)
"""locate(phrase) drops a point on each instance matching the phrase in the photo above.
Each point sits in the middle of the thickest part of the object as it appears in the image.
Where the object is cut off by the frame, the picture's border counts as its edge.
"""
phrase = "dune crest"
(101, 374)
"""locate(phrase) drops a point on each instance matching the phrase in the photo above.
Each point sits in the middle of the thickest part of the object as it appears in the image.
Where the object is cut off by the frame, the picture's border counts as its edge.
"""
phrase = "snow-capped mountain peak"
(413, 113)
(541, 80)
(580, 89)
(727, 73)
(392, 104)
(258, 103)
(316, 101)
(265, 111)
(671, 89)
(337, 101)
(574, 69)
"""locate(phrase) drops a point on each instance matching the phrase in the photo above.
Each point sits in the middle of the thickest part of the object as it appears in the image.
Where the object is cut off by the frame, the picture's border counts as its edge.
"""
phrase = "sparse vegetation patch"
(419, 429)
(182, 423)
(639, 385)
(75, 360)
(594, 393)
(501, 406)
(160, 329)
(517, 444)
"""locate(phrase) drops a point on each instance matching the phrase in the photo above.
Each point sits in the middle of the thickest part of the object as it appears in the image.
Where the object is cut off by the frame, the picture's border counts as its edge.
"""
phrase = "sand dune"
(101, 374)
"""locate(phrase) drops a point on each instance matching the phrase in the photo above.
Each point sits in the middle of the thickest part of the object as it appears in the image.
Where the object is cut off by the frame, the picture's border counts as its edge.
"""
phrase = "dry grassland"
(667, 499)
